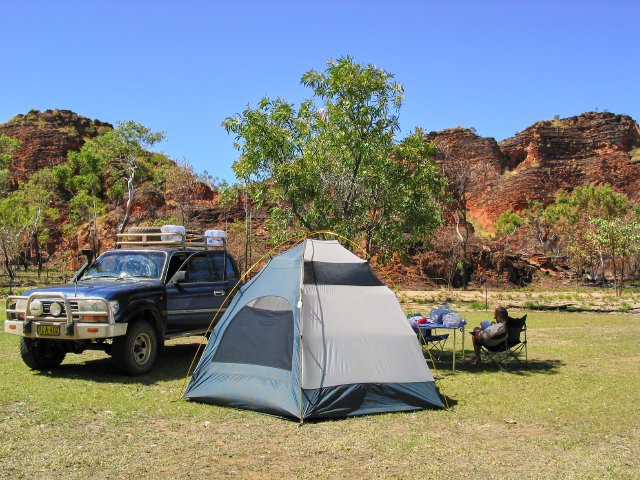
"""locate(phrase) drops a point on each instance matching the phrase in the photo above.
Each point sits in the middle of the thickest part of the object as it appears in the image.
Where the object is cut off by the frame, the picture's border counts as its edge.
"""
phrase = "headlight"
(21, 305)
(115, 306)
(93, 310)
(55, 309)
(35, 307)
(92, 306)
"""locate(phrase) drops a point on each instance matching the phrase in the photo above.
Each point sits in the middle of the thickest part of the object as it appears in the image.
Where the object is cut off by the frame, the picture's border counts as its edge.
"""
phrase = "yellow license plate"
(48, 330)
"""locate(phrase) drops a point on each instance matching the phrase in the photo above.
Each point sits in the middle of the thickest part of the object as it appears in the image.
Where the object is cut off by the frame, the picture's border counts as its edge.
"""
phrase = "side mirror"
(180, 276)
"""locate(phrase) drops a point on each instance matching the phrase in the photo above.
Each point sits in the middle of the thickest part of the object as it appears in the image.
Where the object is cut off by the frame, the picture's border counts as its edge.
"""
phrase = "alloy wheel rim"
(142, 349)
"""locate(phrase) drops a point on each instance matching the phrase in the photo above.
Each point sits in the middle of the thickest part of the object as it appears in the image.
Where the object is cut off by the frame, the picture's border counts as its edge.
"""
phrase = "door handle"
(218, 293)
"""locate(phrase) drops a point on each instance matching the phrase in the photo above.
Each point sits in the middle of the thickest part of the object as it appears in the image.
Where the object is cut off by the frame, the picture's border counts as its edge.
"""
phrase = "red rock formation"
(535, 164)
(46, 137)
(545, 158)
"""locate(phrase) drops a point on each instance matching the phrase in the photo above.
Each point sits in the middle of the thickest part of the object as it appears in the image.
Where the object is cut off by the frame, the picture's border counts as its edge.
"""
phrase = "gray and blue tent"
(314, 335)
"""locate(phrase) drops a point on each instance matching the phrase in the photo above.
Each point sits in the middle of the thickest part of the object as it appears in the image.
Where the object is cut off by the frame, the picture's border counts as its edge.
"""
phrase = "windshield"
(121, 264)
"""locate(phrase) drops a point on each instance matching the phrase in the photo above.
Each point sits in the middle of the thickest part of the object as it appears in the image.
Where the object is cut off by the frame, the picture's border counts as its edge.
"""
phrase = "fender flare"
(148, 309)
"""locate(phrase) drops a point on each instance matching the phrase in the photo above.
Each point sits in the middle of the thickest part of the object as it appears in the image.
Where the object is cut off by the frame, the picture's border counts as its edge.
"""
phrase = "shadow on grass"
(170, 365)
(547, 367)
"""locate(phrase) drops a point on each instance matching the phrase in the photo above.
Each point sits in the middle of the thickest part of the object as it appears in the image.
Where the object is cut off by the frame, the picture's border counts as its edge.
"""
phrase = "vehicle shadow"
(172, 364)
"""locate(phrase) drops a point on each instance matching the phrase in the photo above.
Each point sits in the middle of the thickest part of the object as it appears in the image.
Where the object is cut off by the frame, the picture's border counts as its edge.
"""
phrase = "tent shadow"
(170, 365)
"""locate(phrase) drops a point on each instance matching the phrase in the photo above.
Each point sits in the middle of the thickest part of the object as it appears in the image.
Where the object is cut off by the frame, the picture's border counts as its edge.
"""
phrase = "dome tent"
(314, 335)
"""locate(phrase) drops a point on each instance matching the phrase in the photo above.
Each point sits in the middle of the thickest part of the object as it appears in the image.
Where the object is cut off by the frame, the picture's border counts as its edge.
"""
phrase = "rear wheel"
(136, 352)
(41, 354)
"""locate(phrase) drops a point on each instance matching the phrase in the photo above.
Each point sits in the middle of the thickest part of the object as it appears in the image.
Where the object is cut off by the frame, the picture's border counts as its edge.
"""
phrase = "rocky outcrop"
(543, 159)
(46, 137)
(536, 163)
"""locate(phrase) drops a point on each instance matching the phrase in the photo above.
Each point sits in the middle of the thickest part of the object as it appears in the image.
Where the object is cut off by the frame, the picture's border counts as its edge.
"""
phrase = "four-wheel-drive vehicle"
(150, 288)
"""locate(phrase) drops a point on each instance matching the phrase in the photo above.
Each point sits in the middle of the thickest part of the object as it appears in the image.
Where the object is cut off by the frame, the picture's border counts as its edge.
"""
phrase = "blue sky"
(182, 67)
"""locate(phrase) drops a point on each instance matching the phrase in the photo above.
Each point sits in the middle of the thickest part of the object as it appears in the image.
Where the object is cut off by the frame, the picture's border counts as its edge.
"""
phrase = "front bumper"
(78, 330)
(69, 324)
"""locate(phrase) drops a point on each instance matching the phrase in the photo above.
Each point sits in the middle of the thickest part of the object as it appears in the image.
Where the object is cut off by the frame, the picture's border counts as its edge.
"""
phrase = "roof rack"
(173, 239)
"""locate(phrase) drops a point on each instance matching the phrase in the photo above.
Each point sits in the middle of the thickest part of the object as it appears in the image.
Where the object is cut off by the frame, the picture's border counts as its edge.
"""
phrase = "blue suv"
(127, 302)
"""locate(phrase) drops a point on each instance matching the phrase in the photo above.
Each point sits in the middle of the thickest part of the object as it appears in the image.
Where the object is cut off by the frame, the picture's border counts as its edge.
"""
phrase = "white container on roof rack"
(215, 238)
(175, 229)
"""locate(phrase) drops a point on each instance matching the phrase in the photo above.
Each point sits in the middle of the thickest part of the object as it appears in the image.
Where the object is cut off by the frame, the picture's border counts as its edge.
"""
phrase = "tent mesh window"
(261, 333)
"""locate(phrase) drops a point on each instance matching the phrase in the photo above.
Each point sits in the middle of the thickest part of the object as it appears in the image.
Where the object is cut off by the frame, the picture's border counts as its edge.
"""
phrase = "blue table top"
(436, 325)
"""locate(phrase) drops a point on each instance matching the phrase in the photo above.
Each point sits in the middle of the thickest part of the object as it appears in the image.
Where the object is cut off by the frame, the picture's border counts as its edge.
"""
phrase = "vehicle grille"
(46, 305)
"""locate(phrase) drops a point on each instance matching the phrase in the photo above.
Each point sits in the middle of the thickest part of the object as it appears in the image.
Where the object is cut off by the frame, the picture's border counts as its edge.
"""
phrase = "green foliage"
(8, 146)
(507, 223)
(332, 162)
(84, 205)
(619, 238)
(589, 201)
(109, 168)
(12, 226)
(595, 222)
(25, 217)
(539, 221)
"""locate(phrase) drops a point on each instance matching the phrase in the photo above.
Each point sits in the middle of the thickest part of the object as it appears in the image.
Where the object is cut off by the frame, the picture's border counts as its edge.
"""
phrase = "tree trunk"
(127, 211)
(603, 279)
(616, 284)
(35, 245)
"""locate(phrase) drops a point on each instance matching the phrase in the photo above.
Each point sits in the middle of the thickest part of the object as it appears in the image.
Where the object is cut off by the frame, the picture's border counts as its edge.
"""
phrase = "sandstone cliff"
(543, 159)
(46, 137)
(536, 163)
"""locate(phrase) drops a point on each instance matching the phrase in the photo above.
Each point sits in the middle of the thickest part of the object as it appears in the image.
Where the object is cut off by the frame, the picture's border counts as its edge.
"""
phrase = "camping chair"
(435, 343)
(512, 348)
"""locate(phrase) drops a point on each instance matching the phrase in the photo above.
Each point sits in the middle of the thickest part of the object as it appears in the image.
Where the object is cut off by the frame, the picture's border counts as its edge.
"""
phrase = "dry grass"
(573, 413)
(583, 299)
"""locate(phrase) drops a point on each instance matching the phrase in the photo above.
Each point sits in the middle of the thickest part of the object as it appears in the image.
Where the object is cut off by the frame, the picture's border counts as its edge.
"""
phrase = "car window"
(199, 269)
(218, 263)
(231, 273)
(122, 264)
(176, 262)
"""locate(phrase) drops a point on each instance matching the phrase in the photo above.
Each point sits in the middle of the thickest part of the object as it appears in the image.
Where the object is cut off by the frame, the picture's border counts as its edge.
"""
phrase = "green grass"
(477, 305)
(573, 413)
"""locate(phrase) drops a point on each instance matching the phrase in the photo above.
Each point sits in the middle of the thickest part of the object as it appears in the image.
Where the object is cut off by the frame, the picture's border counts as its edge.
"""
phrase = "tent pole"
(304, 246)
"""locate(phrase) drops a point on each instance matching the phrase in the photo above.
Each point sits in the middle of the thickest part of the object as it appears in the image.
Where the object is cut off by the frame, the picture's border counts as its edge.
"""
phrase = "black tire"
(142, 230)
(41, 354)
(135, 353)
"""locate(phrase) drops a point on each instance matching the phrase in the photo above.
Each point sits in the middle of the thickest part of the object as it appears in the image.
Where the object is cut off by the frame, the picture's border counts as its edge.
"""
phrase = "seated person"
(493, 334)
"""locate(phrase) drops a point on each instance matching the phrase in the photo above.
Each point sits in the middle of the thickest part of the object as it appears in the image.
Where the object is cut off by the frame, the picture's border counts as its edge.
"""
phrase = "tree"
(117, 159)
(617, 238)
(24, 216)
(12, 228)
(36, 194)
(460, 174)
(182, 187)
(125, 151)
(507, 223)
(574, 218)
(538, 220)
(8, 146)
(333, 164)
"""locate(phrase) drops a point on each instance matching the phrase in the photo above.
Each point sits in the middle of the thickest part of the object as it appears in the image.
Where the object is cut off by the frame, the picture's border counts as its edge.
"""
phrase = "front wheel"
(41, 354)
(136, 352)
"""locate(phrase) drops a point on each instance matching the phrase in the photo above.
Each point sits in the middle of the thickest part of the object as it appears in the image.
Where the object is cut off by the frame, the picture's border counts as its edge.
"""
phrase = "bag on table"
(452, 319)
(436, 314)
